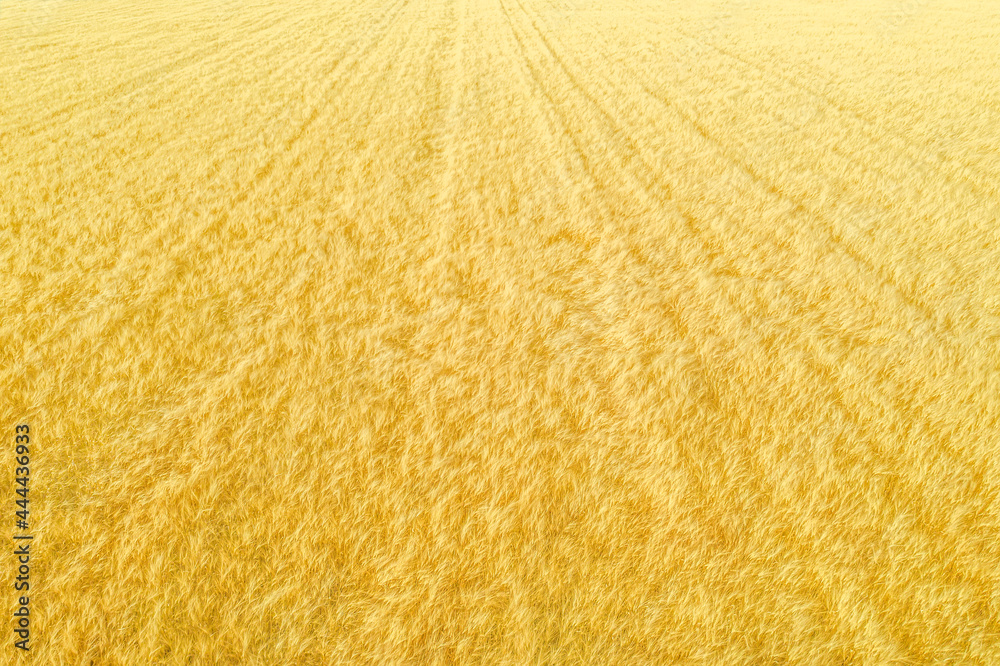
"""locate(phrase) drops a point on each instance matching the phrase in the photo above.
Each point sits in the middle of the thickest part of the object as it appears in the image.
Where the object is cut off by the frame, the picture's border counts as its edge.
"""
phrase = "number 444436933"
(22, 441)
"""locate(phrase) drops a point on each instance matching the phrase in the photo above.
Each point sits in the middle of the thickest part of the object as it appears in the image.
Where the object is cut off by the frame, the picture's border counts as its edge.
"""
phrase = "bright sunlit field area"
(502, 331)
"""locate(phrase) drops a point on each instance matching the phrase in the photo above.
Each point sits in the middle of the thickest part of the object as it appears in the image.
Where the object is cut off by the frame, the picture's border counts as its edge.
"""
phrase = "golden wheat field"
(500, 332)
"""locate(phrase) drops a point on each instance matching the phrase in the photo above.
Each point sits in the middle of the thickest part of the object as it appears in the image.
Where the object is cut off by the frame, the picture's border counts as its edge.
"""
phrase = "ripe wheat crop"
(502, 331)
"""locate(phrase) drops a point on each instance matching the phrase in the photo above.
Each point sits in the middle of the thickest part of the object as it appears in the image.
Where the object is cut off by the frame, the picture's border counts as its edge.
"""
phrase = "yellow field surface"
(502, 331)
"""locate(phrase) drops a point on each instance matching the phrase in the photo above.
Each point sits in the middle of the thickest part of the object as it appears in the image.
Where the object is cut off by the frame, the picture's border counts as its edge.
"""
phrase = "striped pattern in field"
(506, 331)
